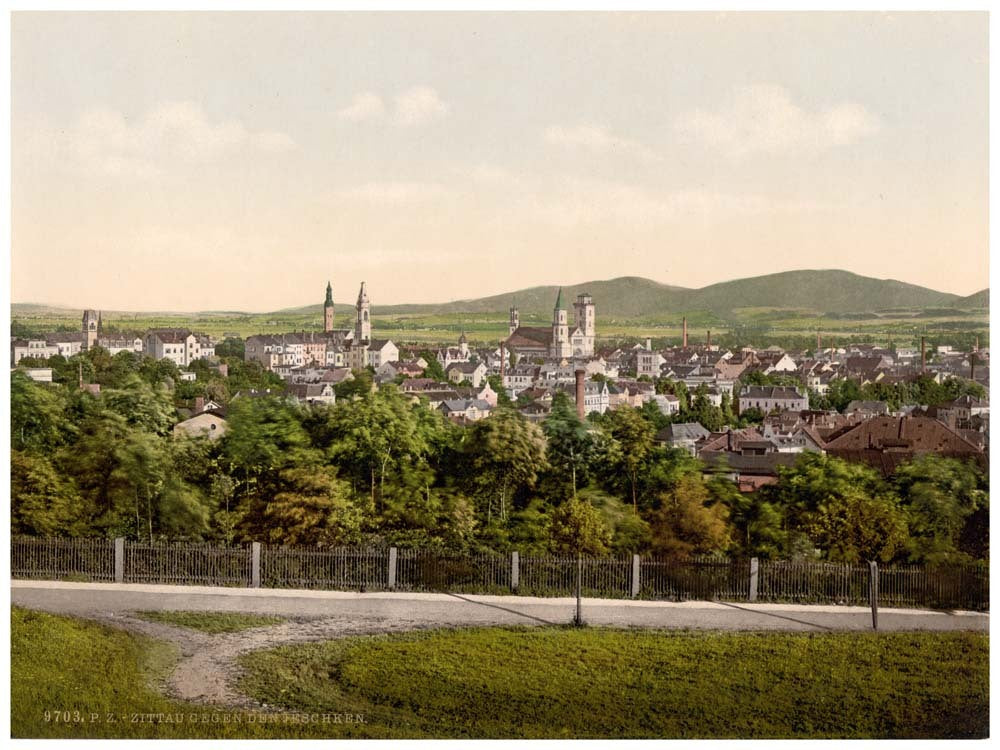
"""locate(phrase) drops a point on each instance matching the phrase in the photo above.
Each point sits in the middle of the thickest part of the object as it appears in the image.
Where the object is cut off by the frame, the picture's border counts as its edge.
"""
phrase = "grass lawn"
(561, 682)
(523, 682)
(210, 622)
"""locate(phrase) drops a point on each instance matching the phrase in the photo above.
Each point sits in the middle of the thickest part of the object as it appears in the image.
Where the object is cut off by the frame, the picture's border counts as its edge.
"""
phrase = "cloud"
(417, 105)
(763, 119)
(420, 105)
(394, 193)
(365, 106)
(598, 140)
(104, 142)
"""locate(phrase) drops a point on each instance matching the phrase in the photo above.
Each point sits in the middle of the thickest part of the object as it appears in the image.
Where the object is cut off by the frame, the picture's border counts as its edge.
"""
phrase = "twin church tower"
(557, 341)
(362, 317)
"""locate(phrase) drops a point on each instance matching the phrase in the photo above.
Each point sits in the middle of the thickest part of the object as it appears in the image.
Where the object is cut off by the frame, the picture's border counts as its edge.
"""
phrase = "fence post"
(515, 570)
(255, 565)
(754, 568)
(873, 591)
(119, 559)
(636, 582)
(392, 568)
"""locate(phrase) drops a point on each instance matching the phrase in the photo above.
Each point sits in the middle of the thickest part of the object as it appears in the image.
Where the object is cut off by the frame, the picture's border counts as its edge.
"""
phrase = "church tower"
(328, 309)
(362, 321)
(586, 321)
(515, 320)
(90, 325)
(560, 330)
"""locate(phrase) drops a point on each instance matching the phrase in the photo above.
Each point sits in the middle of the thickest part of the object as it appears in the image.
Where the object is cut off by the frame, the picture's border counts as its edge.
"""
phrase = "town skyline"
(160, 160)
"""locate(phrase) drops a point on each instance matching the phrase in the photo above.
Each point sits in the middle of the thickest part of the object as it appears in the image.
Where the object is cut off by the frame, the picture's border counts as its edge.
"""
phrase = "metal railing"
(379, 569)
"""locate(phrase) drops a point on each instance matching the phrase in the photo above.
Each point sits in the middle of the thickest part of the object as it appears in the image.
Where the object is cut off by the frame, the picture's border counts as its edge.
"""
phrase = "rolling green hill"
(631, 296)
(979, 299)
(826, 291)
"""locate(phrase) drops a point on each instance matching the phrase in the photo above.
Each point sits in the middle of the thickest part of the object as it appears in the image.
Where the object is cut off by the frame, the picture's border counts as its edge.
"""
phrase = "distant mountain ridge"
(826, 291)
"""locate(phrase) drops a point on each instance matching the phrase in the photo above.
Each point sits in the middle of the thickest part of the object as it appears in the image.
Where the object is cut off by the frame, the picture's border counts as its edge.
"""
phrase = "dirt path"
(209, 670)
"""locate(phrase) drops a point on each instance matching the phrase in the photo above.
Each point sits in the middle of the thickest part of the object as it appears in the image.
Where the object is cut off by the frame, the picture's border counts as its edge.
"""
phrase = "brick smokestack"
(580, 391)
(708, 340)
(972, 367)
(923, 354)
(684, 336)
(977, 343)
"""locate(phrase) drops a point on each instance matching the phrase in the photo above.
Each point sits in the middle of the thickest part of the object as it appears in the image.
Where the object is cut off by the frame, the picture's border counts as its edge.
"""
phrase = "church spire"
(559, 302)
(329, 295)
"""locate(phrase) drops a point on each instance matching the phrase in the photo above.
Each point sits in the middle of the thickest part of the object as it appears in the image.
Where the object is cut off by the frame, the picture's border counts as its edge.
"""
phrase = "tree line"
(381, 467)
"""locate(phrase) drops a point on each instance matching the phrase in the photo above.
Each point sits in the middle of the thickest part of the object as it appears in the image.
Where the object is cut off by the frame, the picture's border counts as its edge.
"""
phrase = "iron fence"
(52, 558)
(695, 578)
(187, 563)
(361, 569)
(813, 582)
(378, 569)
(556, 576)
(433, 570)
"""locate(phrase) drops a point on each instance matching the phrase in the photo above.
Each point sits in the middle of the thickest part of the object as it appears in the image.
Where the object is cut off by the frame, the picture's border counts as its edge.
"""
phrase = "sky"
(224, 161)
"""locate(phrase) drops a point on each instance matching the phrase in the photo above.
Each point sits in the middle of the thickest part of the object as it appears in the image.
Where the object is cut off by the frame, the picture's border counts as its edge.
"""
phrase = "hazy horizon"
(347, 300)
(186, 161)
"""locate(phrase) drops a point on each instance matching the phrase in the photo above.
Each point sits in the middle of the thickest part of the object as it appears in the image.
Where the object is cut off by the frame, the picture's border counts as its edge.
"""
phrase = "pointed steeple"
(559, 302)
(362, 296)
(329, 295)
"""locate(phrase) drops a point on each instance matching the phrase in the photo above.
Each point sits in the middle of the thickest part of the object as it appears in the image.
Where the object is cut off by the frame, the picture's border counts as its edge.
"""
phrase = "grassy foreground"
(210, 622)
(507, 682)
(560, 682)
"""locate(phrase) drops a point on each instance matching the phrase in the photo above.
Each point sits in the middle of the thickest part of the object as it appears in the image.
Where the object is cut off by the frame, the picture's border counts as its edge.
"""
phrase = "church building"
(557, 341)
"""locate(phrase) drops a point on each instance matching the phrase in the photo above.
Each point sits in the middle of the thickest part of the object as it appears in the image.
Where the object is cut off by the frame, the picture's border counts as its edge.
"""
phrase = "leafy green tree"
(569, 446)
(141, 405)
(632, 536)
(942, 497)
(147, 489)
(42, 503)
(529, 528)
(504, 454)
(434, 370)
(689, 521)
(627, 451)
(373, 435)
(91, 462)
(37, 423)
(855, 526)
(705, 412)
(231, 347)
(359, 386)
(305, 505)
(264, 433)
(756, 523)
(846, 509)
(576, 527)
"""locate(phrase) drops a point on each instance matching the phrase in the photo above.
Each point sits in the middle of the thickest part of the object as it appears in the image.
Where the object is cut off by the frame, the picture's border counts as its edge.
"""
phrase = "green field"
(904, 327)
(515, 682)
(211, 622)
